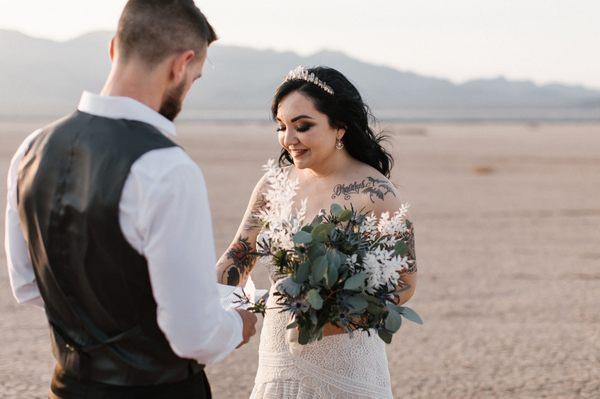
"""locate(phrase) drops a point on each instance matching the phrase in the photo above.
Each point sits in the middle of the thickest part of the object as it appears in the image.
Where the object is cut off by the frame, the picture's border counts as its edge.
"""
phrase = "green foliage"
(401, 249)
(314, 299)
(304, 336)
(302, 272)
(319, 285)
(345, 215)
(336, 210)
(332, 275)
(357, 302)
(385, 335)
(411, 315)
(321, 232)
(319, 268)
(316, 250)
(356, 282)
(393, 321)
(289, 286)
(302, 237)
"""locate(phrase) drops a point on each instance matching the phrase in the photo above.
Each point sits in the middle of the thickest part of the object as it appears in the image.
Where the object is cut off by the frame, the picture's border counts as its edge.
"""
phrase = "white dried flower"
(280, 220)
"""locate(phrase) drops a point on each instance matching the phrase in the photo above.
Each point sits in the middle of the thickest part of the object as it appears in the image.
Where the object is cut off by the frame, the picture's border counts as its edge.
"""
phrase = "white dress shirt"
(164, 214)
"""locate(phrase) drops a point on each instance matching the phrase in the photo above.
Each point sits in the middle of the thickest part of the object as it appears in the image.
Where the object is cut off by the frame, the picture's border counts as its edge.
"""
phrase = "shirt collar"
(124, 108)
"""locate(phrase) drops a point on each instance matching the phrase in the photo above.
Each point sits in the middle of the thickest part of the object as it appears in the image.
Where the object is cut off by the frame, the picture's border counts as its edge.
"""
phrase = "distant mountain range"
(41, 77)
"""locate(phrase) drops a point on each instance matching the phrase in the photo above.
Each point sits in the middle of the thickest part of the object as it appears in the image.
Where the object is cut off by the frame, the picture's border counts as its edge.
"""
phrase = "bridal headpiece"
(301, 73)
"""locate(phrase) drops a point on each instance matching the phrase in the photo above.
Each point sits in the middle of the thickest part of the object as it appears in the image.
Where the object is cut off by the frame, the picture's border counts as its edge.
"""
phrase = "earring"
(338, 144)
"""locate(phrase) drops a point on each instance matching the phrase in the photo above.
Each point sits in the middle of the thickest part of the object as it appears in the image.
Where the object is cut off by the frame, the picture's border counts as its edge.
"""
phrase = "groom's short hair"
(155, 29)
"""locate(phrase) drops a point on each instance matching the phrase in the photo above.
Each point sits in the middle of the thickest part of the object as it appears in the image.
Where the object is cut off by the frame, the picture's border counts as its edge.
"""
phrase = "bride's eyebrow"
(297, 118)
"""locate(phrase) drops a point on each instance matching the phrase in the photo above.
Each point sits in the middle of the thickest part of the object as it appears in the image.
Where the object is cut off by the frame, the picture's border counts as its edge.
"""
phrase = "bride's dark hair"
(344, 109)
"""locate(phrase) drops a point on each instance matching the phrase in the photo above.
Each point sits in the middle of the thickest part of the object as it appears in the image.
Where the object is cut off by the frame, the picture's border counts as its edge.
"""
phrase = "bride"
(330, 149)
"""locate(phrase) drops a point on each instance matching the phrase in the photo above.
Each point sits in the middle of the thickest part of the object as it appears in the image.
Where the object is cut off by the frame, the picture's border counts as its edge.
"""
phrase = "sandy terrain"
(508, 243)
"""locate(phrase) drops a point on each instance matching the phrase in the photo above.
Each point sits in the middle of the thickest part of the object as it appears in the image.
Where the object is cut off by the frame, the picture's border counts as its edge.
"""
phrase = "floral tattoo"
(242, 258)
(409, 240)
(376, 188)
(254, 221)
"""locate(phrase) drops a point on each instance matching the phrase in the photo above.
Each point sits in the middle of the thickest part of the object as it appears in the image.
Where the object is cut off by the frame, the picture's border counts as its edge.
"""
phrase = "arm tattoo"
(376, 188)
(254, 221)
(242, 259)
(409, 240)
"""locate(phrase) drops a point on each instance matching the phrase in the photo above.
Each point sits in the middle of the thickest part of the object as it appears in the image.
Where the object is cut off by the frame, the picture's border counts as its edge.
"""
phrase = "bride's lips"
(298, 153)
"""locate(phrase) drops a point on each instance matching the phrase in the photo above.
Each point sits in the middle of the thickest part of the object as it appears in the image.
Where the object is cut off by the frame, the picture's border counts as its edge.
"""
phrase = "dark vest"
(95, 286)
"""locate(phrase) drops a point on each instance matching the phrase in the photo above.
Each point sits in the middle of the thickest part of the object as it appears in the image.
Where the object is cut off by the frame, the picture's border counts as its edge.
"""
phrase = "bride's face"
(305, 132)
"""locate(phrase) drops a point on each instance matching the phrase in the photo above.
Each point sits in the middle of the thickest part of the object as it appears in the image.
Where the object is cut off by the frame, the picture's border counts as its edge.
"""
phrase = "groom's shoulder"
(161, 163)
(31, 137)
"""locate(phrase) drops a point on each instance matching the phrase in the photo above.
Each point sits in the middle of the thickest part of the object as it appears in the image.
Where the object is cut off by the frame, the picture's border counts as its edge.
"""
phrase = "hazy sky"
(542, 40)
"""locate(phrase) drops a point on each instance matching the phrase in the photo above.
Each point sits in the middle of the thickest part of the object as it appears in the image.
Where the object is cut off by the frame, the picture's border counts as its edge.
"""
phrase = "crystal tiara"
(301, 73)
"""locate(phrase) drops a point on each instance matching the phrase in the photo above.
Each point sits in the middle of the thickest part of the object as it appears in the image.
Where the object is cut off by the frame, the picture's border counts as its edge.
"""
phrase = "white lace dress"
(335, 367)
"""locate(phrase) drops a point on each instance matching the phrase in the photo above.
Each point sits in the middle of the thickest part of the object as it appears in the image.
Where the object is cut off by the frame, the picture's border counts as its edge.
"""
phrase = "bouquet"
(341, 268)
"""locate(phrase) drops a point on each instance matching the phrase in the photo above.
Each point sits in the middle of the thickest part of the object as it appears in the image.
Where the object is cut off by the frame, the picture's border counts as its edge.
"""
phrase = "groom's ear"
(111, 49)
(179, 64)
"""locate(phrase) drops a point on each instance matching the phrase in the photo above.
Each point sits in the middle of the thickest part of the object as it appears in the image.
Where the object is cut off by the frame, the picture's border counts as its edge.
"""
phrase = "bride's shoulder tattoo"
(375, 188)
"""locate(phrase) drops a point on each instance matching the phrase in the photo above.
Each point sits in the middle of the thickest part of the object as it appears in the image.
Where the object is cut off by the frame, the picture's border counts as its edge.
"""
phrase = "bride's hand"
(332, 329)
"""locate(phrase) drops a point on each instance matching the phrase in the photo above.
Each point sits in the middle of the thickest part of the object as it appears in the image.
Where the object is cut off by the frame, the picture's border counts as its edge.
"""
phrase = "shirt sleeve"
(177, 241)
(20, 267)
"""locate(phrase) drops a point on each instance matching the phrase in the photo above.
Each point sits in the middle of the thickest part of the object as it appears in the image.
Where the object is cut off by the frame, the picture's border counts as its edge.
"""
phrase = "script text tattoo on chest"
(375, 188)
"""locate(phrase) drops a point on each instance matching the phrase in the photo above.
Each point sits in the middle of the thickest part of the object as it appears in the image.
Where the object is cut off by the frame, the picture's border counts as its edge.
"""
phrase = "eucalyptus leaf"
(357, 302)
(319, 268)
(304, 336)
(316, 250)
(302, 272)
(334, 257)
(393, 306)
(288, 286)
(374, 309)
(393, 321)
(321, 232)
(336, 210)
(411, 315)
(302, 237)
(401, 249)
(385, 335)
(314, 299)
(345, 215)
(332, 275)
(356, 282)
(308, 228)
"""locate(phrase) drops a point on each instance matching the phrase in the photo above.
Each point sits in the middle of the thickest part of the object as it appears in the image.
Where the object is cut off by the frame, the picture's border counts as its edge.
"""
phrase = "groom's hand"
(249, 319)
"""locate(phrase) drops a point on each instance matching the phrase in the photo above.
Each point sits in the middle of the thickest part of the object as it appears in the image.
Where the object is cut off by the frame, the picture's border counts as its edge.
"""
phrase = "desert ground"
(507, 220)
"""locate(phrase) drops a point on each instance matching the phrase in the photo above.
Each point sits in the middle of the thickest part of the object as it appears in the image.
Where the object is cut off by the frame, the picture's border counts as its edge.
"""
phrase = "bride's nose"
(290, 137)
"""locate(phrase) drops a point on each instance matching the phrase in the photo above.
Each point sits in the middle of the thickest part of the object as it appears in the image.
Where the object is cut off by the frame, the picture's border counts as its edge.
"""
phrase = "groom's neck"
(136, 81)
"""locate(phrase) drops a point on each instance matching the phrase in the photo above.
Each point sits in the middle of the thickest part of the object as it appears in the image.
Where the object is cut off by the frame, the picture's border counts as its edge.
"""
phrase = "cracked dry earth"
(507, 224)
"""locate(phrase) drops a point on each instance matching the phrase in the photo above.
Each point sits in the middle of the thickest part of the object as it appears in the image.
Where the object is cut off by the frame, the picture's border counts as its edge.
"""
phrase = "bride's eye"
(303, 128)
(280, 129)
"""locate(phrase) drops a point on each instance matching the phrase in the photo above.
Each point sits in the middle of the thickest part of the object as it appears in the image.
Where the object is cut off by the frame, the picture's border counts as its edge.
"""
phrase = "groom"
(108, 226)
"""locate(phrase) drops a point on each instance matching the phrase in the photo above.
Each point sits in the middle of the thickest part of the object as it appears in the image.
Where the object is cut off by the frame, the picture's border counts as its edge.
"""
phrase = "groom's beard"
(172, 103)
